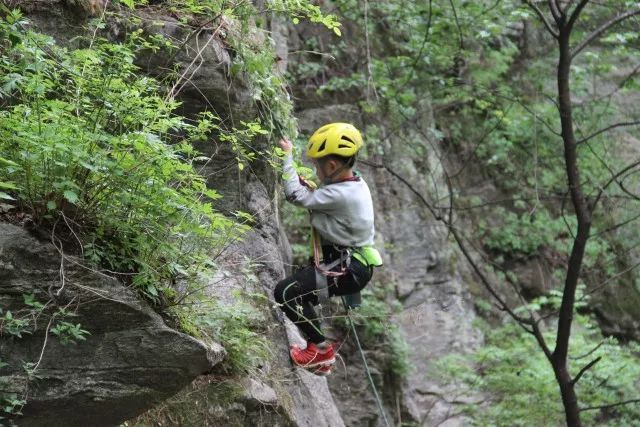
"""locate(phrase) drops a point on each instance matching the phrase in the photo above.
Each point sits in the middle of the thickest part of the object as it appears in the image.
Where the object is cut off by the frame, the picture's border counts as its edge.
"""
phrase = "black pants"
(297, 295)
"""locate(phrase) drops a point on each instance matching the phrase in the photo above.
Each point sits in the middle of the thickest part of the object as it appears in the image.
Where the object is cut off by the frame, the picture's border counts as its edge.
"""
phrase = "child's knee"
(280, 289)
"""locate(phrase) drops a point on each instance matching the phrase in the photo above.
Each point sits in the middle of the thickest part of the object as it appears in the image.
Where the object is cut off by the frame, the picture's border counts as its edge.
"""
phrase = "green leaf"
(71, 196)
(51, 205)
(337, 31)
(5, 196)
(152, 290)
(129, 3)
(8, 185)
(8, 162)
(30, 300)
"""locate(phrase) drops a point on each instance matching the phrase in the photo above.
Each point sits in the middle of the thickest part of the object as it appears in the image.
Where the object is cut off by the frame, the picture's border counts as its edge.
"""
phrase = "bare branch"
(629, 193)
(601, 29)
(613, 179)
(455, 15)
(613, 405)
(576, 12)
(619, 87)
(603, 284)
(555, 11)
(616, 226)
(588, 353)
(544, 20)
(585, 369)
(608, 128)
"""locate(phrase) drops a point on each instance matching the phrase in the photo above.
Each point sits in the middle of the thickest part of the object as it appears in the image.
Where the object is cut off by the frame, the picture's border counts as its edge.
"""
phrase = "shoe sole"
(320, 373)
(315, 364)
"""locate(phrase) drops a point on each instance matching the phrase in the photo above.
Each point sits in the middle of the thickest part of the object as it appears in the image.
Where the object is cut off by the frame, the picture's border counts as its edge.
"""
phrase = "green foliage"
(68, 333)
(26, 320)
(131, 4)
(515, 376)
(238, 325)
(253, 53)
(11, 404)
(521, 233)
(12, 325)
(378, 332)
(92, 144)
(303, 9)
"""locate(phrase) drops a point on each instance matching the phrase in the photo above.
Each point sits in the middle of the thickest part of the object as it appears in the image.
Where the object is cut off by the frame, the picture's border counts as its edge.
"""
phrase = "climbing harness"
(326, 271)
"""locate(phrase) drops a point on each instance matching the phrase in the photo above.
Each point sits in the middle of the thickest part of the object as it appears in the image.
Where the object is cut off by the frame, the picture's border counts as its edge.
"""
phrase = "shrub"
(91, 149)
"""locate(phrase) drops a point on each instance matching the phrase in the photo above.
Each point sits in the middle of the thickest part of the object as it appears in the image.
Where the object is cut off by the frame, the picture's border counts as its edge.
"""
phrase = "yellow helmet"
(342, 139)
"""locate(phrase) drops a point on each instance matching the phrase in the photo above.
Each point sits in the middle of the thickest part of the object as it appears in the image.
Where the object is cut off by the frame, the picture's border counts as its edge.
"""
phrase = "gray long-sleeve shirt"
(342, 212)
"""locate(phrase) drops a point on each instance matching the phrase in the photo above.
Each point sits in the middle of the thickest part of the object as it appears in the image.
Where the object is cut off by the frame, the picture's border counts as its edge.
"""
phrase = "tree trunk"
(583, 215)
(568, 393)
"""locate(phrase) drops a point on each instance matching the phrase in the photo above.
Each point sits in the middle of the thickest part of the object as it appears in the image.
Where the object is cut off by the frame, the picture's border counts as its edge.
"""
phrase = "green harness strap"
(368, 255)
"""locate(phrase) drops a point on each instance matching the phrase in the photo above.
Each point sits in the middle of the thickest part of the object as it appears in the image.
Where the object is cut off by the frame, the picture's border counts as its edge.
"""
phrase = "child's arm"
(322, 199)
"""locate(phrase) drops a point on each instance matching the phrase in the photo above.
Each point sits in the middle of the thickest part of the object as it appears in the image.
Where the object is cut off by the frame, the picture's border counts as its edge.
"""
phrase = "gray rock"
(130, 361)
(276, 393)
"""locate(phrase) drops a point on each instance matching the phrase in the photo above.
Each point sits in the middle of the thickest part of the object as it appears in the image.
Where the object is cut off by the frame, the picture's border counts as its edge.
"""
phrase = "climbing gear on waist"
(328, 270)
(368, 255)
(312, 356)
(341, 139)
(324, 272)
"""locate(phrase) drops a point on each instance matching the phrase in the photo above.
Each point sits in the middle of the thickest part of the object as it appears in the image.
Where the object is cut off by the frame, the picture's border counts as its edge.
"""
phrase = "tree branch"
(555, 11)
(611, 180)
(544, 20)
(455, 15)
(576, 12)
(616, 226)
(613, 405)
(629, 193)
(608, 128)
(585, 369)
(601, 29)
(589, 353)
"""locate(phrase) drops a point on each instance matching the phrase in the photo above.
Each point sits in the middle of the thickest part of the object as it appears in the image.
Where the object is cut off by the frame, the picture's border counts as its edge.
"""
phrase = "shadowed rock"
(130, 361)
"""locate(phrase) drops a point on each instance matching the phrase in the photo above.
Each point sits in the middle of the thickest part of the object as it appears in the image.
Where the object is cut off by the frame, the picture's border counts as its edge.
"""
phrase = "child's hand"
(286, 145)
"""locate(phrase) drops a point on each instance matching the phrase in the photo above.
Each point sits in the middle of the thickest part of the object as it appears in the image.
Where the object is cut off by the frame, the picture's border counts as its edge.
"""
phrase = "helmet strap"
(329, 179)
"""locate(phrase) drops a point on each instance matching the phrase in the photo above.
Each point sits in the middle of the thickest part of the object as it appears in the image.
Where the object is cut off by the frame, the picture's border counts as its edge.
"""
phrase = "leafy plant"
(373, 319)
(68, 333)
(92, 143)
(12, 325)
(521, 391)
(238, 326)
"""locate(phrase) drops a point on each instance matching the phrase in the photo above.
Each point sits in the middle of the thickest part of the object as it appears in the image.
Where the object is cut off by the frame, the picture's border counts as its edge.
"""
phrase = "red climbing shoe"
(312, 356)
(322, 370)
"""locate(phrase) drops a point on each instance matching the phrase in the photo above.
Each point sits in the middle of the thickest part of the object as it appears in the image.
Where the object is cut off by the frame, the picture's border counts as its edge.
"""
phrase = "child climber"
(343, 230)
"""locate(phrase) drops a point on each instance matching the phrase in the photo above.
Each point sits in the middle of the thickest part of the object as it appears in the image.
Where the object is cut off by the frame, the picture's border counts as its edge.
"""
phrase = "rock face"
(129, 361)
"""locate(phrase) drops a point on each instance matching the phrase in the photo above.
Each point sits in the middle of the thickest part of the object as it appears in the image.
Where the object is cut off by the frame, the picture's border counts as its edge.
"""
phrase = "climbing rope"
(366, 365)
